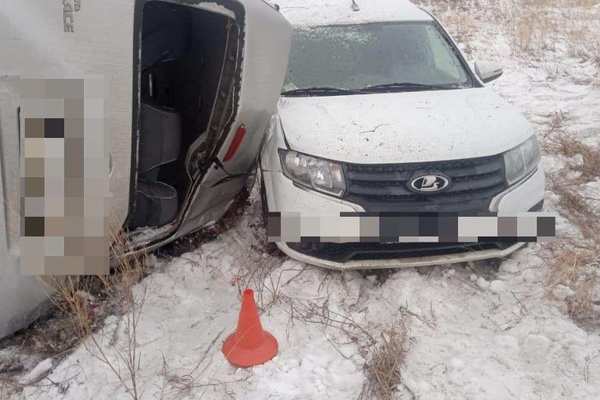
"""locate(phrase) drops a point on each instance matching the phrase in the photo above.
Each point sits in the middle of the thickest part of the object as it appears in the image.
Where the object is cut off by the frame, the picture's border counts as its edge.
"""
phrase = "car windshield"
(347, 59)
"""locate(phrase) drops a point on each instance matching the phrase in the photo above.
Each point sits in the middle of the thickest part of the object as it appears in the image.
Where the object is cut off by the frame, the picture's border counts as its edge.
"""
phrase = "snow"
(496, 340)
(339, 12)
(37, 373)
(459, 124)
(476, 331)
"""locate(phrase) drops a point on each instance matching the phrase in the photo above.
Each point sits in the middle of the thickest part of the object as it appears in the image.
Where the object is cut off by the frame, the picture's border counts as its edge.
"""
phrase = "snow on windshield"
(358, 56)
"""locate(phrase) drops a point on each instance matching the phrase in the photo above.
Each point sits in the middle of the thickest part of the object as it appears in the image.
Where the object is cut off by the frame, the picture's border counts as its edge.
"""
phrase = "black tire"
(264, 202)
(270, 248)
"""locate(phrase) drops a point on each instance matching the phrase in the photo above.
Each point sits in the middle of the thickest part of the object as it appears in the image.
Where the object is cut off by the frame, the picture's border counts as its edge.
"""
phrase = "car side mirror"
(488, 72)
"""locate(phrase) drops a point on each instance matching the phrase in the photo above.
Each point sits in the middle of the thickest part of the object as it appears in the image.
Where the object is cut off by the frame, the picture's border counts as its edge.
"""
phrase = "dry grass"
(81, 303)
(123, 361)
(74, 300)
(568, 261)
(8, 388)
(534, 28)
(538, 25)
(310, 312)
(386, 356)
(575, 207)
(575, 265)
(573, 204)
(577, 269)
(551, 30)
(595, 54)
(463, 28)
(88, 299)
(73, 295)
(570, 147)
(580, 306)
(182, 384)
(384, 368)
(557, 123)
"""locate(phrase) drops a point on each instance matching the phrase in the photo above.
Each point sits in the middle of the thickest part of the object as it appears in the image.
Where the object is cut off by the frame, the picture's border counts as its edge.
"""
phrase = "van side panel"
(19, 295)
(267, 37)
(68, 39)
(48, 40)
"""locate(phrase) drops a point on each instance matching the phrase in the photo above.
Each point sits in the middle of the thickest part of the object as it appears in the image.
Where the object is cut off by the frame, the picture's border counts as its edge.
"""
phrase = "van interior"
(186, 53)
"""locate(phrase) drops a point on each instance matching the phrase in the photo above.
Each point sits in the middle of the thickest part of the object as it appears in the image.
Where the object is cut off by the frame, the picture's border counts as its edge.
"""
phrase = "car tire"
(270, 248)
(264, 202)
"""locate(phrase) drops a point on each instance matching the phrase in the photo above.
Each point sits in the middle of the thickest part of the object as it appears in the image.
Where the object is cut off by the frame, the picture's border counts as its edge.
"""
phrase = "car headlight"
(313, 172)
(521, 160)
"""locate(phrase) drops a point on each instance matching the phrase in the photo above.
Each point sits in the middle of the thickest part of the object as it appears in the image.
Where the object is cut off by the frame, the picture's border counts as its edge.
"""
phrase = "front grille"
(385, 187)
(343, 252)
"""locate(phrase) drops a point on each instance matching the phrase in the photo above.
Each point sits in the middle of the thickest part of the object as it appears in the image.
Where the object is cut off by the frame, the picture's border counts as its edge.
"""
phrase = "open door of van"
(175, 95)
(208, 76)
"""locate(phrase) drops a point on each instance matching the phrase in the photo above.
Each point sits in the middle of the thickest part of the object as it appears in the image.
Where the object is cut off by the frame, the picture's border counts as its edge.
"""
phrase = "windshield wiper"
(408, 86)
(320, 91)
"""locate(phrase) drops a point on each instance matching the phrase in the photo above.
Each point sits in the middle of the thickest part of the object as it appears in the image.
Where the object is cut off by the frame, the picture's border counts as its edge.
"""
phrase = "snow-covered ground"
(488, 330)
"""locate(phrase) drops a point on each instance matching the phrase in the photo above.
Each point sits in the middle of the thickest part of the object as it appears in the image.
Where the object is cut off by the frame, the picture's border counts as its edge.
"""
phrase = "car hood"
(403, 127)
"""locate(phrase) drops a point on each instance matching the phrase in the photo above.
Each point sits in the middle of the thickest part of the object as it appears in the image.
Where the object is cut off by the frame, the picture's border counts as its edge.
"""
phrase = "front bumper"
(407, 262)
(284, 196)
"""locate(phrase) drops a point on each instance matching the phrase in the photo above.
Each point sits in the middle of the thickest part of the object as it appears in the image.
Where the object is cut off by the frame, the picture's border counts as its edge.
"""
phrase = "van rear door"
(262, 70)
(209, 75)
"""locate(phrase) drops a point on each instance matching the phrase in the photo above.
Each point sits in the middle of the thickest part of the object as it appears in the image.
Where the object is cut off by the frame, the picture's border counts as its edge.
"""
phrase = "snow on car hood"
(403, 127)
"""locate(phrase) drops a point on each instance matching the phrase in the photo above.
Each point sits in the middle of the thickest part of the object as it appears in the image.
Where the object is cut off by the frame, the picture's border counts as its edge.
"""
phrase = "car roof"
(342, 12)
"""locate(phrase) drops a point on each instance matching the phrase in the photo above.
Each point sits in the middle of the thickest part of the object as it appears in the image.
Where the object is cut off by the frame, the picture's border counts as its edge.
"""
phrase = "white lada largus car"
(380, 113)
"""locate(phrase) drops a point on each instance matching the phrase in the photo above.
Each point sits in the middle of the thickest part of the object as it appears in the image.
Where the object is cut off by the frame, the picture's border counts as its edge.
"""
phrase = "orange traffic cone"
(249, 345)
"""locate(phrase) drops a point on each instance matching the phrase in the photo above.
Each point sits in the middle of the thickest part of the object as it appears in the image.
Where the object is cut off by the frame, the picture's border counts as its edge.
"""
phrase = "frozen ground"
(476, 332)
(487, 330)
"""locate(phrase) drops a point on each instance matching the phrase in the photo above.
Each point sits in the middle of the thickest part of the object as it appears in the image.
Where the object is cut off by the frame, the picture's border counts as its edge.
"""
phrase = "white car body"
(387, 129)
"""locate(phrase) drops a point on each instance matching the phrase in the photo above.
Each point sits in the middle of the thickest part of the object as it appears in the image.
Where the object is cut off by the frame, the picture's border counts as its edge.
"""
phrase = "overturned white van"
(189, 87)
